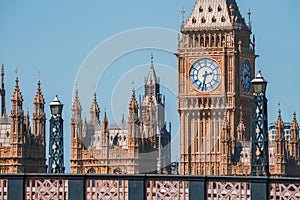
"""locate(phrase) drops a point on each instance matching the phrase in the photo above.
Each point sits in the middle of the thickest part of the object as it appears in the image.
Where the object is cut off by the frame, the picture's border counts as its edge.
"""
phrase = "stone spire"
(76, 108)
(105, 122)
(152, 82)
(294, 128)
(17, 98)
(95, 110)
(76, 121)
(133, 122)
(294, 140)
(39, 116)
(280, 148)
(17, 115)
(279, 126)
(39, 98)
(133, 107)
(152, 75)
(2, 90)
(216, 14)
(28, 128)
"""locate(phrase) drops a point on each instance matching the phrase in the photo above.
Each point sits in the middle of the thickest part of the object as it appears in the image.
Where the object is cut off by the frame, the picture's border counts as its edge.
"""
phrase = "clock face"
(246, 76)
(205, 75)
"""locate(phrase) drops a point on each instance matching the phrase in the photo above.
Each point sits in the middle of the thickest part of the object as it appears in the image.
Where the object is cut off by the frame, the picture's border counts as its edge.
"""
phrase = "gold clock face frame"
(205, 75)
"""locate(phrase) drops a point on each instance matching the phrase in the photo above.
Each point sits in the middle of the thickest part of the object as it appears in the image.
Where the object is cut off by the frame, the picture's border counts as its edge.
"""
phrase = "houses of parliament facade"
(216, 63)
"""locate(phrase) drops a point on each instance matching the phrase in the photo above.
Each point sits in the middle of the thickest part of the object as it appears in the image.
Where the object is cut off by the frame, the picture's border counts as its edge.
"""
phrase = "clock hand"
(204, 79)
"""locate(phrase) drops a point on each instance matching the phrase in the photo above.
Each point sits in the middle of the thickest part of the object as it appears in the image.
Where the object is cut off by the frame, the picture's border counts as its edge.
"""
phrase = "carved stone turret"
(95, 111)
(4, 116)
(39, 115)
(226, 147)
(294, 141)
(17, 115)
(280, 147)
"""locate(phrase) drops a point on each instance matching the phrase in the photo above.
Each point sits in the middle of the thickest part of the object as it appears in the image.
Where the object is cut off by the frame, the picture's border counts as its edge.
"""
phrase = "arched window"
(210, 9)
(201, 41)
(212, 40)
(203, 20)
(194, 20)
(223, 40)
(223, 19)
(218, 41)
(196, 41)
(219, 8)
(213, 19)
(206, 41)
(200, 9)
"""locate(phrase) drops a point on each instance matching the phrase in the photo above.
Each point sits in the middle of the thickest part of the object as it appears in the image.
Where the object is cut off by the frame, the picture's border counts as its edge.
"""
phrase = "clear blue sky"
(58, 37)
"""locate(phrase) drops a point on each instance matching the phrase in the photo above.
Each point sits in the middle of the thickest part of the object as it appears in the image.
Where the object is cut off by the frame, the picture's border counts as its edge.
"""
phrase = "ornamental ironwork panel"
(46, 189)
(168, 189)
(260, 155)
(3, 189)
(56, 147)
(285, 191)
(228, 190)
(106, 189)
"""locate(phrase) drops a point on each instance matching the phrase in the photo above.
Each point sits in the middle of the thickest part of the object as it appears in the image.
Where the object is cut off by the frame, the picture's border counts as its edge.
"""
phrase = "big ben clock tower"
(216, 62)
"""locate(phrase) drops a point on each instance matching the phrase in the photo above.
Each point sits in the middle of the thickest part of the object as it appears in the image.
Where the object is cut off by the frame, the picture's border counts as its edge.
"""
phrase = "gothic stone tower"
(142, 145)
(216, 62)
(22, 148)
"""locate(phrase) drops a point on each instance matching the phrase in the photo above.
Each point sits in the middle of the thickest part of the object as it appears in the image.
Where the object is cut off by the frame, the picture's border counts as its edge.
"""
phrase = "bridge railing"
(152, 187)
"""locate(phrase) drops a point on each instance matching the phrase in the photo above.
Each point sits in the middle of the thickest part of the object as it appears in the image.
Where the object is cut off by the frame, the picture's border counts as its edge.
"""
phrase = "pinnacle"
(39, 98)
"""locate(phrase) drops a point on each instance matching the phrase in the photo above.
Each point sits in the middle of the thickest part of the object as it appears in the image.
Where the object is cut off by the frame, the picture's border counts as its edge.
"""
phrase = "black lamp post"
(56, 147)
(260, 150)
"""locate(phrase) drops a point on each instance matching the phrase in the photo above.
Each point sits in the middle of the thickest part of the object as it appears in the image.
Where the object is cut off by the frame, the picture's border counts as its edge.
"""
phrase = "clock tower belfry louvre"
(216, 62)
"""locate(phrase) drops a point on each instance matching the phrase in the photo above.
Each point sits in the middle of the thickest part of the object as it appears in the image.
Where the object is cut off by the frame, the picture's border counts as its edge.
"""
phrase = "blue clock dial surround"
(205, 75)
(246, 76)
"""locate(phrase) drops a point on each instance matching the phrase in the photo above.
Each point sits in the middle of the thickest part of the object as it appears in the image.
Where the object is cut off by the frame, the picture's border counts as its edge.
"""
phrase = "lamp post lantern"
(260, 149)
(56, 147)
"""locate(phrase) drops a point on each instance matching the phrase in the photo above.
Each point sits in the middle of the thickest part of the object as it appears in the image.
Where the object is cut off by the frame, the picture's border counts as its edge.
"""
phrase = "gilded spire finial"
(151, 60)
(2, 74)
(39, 75)
(182, 13)
(76, 85)
(16, 72)
(17, 80)
(249, 14)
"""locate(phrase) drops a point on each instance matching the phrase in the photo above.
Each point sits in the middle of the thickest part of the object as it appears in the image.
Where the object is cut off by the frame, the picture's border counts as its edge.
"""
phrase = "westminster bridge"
(139, 187)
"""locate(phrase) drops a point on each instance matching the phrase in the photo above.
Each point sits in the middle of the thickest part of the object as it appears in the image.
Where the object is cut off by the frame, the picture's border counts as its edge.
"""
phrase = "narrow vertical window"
(219, 8)
(213, 19)
(194, 20)
(223, 19)
(201, 9)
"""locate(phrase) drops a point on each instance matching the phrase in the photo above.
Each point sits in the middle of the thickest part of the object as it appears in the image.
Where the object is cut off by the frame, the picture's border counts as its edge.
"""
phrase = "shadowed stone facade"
(216, 63)
(22, 146)
(140, 145)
